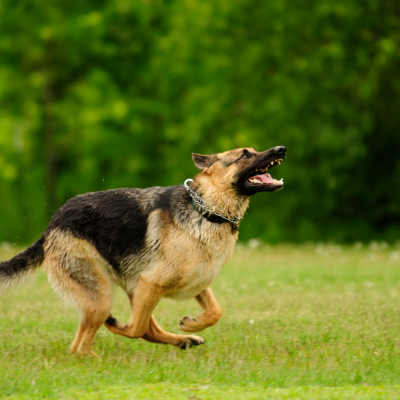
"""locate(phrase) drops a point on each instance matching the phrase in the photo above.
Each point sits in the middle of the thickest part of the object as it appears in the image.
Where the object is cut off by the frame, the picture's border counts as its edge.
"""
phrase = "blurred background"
(104, 94)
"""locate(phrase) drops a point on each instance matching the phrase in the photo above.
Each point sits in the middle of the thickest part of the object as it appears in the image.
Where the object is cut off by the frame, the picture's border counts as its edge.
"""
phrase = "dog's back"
(115, 221)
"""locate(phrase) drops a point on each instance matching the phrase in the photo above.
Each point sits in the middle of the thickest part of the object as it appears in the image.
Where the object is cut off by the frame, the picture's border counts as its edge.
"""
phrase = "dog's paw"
(110, 321)
(188, 324)
(190, 341)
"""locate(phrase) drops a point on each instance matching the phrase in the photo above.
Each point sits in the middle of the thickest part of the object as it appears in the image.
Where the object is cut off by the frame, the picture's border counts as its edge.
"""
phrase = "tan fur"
(215, 183)
(190, 263)
(80, 276)
(212, 313)
(156, 334)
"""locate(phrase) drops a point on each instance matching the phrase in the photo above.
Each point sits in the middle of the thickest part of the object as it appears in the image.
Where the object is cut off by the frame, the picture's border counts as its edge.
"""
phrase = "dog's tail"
(22, 265)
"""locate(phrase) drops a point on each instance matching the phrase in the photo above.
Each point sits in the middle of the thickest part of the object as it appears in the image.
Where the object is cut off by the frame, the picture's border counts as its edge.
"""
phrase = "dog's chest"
(198, 260)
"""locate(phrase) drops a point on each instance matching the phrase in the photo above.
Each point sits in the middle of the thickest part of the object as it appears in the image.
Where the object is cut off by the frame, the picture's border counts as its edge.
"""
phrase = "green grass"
(307, 322)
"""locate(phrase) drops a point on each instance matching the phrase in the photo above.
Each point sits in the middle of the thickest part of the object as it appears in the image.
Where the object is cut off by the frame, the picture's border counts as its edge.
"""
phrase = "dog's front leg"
(143, 301)
(212, 313)
(156, 334)
(143, 324)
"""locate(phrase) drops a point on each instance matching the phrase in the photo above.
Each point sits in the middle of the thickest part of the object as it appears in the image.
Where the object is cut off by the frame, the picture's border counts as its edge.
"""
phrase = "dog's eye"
(246, 155)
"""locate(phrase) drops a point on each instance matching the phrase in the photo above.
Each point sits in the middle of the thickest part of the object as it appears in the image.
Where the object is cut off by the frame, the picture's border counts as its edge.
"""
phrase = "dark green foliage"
(97, 95)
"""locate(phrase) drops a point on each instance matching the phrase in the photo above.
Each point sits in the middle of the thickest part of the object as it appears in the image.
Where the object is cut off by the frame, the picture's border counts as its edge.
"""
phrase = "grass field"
(307, 322)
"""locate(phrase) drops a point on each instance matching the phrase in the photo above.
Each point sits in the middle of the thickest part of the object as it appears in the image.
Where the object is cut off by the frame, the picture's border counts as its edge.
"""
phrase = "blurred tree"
(96, 95)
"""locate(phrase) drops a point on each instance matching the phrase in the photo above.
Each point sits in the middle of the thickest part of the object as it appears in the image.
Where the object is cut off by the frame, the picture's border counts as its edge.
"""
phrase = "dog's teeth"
(272, 163)
(255, 180)
(279, 162)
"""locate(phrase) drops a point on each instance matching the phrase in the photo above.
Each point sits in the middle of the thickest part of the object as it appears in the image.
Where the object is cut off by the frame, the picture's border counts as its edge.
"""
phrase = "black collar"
(212, 217)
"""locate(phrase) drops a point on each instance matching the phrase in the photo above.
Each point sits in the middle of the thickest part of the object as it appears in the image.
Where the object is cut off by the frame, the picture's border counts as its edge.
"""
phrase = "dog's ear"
(202, 162)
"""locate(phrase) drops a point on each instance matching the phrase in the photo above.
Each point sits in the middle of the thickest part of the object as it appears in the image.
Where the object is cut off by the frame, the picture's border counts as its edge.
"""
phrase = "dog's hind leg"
(212, 313)
(92, 300)
(91, 321)
(156, 334)
(93, 304)
(79, 276)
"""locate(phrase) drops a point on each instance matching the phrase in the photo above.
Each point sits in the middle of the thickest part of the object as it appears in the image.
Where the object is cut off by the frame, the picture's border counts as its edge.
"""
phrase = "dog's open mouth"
(260, 176)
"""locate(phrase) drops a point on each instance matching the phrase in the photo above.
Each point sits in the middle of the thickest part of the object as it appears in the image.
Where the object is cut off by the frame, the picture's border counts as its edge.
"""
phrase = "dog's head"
(243, 170)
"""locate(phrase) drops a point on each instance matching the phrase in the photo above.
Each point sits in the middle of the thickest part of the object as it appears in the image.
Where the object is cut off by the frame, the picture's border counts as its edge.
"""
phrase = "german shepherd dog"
(154, 243)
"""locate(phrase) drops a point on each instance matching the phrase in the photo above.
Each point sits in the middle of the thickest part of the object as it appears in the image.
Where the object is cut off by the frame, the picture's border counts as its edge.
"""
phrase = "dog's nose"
(281, 150)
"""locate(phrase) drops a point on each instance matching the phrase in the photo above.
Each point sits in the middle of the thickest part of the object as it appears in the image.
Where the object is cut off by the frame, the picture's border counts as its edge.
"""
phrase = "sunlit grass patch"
(171, 391)
(306, 322)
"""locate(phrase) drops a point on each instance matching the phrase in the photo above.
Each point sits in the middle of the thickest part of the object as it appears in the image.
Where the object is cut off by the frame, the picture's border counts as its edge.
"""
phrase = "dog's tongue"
(265, 178)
